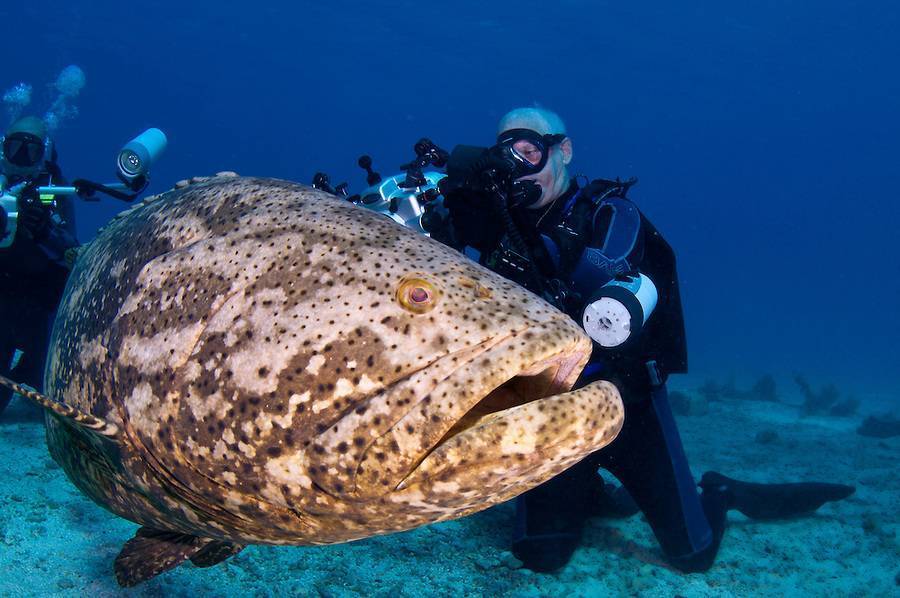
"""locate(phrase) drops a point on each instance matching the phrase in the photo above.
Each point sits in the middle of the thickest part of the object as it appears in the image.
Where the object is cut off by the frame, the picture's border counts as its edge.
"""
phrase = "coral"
(729, 390)
(710, 390)
(880, 426)
(816, 402)
(764, 389)
(845, 408)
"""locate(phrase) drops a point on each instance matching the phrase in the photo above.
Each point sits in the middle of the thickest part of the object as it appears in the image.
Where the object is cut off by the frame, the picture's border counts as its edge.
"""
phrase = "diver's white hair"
(537, 119)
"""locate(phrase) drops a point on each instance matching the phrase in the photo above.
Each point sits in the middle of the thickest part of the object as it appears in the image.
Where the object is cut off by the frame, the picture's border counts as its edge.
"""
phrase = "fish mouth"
(540, 381)
(521, 423)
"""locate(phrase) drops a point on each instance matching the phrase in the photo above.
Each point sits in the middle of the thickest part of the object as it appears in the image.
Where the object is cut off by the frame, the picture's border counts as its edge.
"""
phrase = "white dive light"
(139, 154)
(619, 310)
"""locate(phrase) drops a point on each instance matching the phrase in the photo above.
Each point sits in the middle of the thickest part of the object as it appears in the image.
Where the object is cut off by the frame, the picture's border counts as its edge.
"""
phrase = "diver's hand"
(34, 218)
(473, 219)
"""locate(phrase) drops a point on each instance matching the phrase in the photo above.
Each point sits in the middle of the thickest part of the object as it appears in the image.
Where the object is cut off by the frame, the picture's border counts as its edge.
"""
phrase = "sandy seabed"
(54, 541)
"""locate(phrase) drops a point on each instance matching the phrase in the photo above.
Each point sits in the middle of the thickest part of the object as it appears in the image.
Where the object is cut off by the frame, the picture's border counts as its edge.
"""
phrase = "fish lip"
(467, 376)
(565, 364)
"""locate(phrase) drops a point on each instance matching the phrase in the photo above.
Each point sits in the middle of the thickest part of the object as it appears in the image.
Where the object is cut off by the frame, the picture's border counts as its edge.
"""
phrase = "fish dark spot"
(274, 451)
(343, 447)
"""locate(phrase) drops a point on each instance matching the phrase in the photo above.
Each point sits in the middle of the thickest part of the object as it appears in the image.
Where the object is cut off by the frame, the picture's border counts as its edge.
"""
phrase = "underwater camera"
(410, 198)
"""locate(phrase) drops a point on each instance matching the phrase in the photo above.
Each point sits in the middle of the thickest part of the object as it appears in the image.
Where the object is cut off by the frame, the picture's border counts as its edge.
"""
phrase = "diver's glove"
(35, 218)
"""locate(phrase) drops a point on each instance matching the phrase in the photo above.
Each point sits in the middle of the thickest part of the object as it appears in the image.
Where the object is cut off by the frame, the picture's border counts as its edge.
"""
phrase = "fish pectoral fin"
(63, 411)
(215, 552)
(152, 551)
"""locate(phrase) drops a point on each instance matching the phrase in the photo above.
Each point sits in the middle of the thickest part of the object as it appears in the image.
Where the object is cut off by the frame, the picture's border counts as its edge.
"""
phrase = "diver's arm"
(65, 206)
(61, 234)
(65, 209)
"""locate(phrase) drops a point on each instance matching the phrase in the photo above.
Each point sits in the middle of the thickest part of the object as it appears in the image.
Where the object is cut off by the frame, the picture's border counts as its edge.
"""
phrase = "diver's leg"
(8, 309)
(649, 459)
(34, 343)
(7, 351)
(549, 518)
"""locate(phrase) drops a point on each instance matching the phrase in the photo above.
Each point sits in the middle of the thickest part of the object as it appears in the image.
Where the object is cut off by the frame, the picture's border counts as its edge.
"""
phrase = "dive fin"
(774, 501)
(151, 552)
(215, 552)
(63, 411)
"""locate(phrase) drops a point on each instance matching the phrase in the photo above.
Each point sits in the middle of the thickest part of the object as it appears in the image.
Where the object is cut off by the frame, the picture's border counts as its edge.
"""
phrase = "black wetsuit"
(33, 274)
(647, 457)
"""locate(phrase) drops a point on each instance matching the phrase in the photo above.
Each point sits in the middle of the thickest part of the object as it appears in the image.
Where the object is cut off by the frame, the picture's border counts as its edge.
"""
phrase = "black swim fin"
(774, 501)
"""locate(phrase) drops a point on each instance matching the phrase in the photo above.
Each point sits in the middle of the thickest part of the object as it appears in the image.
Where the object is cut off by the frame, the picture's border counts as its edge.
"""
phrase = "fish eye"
(417, 295)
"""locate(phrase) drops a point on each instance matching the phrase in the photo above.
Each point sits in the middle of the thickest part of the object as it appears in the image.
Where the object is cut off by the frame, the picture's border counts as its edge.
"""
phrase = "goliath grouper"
(252, 361)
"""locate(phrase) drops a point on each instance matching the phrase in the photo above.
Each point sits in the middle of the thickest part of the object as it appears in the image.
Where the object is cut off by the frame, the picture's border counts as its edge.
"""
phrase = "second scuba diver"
(33, 262)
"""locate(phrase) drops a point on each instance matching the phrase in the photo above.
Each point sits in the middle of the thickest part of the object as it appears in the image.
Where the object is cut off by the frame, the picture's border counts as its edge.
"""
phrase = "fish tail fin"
(62, 410)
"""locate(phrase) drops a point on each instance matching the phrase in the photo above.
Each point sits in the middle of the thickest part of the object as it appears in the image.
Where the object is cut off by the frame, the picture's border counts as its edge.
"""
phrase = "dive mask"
(528, 149)
(23, 149)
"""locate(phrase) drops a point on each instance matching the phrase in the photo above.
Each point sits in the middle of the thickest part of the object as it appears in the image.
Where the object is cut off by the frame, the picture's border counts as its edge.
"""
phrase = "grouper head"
(286, 367)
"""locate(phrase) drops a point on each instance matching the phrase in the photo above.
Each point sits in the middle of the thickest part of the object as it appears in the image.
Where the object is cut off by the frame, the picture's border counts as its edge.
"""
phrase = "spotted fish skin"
(263, 352)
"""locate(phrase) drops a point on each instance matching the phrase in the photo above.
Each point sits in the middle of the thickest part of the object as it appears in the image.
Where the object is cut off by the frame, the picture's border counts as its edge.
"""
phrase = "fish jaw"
(505, 406)
(511, 451)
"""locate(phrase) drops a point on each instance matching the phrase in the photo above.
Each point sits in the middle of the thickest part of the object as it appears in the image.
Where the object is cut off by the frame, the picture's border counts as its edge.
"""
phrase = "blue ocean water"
(764, 134)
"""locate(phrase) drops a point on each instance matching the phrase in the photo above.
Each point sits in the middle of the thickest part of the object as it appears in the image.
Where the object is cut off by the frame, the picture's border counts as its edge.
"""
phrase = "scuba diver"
(591, 252)
(35, 257)
(38, 243)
